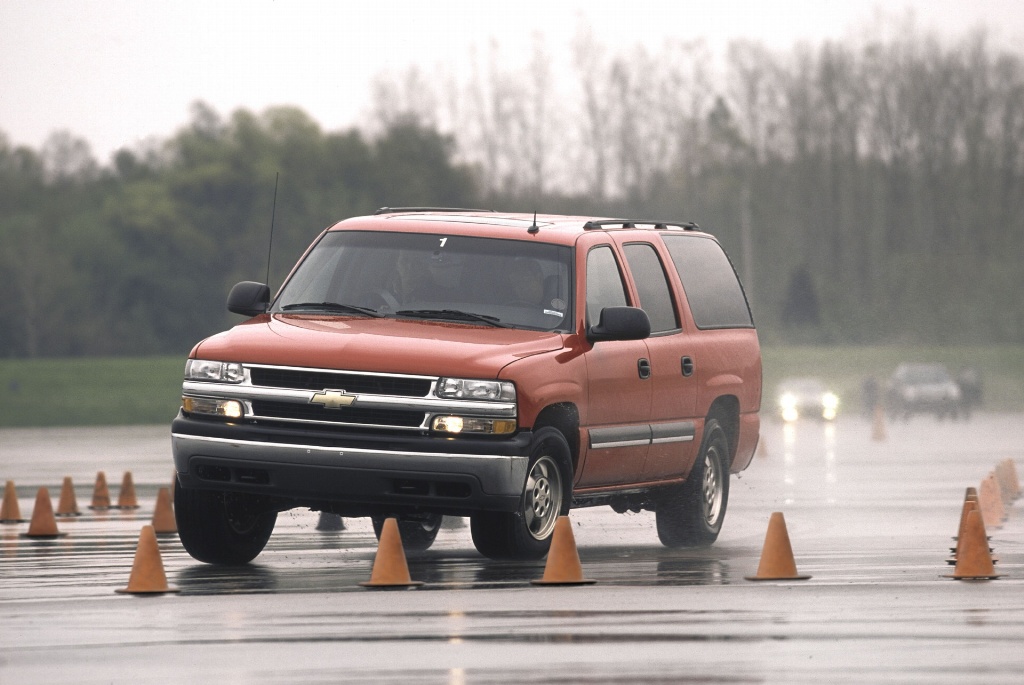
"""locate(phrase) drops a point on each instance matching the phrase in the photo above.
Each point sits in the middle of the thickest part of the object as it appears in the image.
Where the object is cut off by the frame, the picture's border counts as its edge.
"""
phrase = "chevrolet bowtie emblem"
(332, 399)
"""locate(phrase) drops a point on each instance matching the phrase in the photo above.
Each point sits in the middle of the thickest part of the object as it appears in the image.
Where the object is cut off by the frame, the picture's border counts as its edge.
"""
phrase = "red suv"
(428, 362)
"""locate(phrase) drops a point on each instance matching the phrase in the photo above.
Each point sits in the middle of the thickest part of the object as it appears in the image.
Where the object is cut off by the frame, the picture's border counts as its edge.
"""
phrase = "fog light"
(230, 409)
(471, 424)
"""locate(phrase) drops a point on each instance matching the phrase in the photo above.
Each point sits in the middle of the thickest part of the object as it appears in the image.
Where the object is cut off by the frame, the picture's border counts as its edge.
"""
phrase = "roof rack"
(393, 210)
(629, 223)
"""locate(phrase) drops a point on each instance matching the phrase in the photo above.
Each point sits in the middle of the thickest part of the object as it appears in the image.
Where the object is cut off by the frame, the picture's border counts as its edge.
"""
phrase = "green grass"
(90, 391)
(122, 391)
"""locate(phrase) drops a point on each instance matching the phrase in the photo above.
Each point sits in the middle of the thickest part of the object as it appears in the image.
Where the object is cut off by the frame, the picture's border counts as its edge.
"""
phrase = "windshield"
(484, 281)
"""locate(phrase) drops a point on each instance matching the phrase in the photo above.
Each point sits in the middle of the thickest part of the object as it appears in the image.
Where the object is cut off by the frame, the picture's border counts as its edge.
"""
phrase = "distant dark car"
(806, 398)
(923, 389)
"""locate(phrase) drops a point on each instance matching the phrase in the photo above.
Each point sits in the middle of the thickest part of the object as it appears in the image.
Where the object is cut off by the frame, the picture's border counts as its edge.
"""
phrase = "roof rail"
(630, 223)
(392, 210)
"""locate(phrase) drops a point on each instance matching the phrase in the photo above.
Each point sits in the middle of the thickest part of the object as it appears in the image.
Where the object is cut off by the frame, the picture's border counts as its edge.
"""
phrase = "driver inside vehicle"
(526, 283)
(411, 278)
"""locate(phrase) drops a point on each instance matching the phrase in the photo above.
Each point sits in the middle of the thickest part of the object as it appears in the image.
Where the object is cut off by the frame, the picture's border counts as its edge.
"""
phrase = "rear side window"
(652, 286)
(712, 288)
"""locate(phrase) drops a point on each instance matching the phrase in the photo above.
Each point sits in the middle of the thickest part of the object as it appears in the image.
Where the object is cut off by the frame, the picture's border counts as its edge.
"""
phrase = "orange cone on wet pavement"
(969, 506)
(10, 512)
(43, 524)
(390, 569)
(991, 503)
(147, 577)
(163, 516)
(126, 497)
(68, 503)
(878, 433)
(100, 493)
(1011, 472)
(777, 561)
(563, 565)
(974, 562)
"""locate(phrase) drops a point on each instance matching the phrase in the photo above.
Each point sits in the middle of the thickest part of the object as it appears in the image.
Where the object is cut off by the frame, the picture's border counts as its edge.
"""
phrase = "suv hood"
(429, 348)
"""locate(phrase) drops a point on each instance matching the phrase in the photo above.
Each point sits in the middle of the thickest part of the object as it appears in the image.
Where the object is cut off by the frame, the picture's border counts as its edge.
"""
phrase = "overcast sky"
(116, 72)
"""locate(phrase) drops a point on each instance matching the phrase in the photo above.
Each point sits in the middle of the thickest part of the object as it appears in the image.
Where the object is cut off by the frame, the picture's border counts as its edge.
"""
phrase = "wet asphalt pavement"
(870, 520)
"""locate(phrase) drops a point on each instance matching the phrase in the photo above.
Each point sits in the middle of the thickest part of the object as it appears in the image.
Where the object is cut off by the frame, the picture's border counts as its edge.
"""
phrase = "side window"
(604, 283)
(652, 286)
(714, 292)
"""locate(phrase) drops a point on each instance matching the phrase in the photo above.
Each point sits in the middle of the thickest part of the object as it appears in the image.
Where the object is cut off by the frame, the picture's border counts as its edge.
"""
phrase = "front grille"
(355, 384)
(308, 412)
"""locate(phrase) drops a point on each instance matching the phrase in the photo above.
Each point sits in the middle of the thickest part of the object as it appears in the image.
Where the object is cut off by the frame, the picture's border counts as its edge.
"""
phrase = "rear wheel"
(692, 514)
(222, 527)
(526, 532)
(417, 534)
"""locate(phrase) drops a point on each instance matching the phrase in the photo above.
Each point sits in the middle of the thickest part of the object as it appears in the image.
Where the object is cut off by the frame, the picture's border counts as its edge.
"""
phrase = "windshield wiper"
(333, 307)
(453, 314)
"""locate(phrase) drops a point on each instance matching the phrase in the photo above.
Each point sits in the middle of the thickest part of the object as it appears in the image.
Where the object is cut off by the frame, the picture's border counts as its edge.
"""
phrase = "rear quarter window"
(712, 288)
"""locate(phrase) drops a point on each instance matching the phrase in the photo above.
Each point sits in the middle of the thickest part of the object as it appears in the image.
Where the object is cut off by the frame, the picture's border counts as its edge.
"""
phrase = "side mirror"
(249, 298)
(621, 323)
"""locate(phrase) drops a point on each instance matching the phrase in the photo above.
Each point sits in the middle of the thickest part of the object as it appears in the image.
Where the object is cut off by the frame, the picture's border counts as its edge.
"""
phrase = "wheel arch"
(565, 417)
(726, 410)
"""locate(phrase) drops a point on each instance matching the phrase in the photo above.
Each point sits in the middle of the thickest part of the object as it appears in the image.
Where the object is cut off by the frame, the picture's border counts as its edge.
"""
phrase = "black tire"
(547, 494)
(417, 534)
(692, 515)
(222, 527)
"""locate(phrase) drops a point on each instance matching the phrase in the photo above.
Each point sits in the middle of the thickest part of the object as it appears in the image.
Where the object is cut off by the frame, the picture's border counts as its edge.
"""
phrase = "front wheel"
(225, 528)
(526, 532)
(417, 534)
(692, 514)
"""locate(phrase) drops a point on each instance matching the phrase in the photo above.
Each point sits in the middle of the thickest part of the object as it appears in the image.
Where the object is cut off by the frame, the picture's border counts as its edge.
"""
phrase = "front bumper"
(352, 474)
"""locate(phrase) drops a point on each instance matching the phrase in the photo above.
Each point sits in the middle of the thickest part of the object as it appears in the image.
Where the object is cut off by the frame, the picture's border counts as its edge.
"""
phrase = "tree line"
(869, 191)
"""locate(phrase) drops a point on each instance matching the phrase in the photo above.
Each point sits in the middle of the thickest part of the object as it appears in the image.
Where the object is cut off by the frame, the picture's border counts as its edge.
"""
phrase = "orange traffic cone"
(163, 516)
(68, 504)
(1011, 472)
(974, 562)
(991, 503)
(148, 577)
(777, 561)
(969, 506)
(10, 512)
(43, 524)
(390, 569)
(878, 433)
(126, 498)
(563, 565)
(100, 493)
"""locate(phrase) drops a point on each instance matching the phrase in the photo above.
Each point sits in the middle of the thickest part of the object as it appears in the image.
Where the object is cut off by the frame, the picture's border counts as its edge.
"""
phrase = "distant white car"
(806, 398)
(923, 388)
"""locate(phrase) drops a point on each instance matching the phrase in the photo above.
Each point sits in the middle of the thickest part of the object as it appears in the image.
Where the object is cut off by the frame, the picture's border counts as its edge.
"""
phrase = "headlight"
(466, 389)
(472, 424)
(787, 401)
(223, 372)
(829, 400)
(211, 406)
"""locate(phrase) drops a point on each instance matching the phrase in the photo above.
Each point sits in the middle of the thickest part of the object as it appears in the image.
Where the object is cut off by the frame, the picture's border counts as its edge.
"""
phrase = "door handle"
(643, 367)
(686, 364)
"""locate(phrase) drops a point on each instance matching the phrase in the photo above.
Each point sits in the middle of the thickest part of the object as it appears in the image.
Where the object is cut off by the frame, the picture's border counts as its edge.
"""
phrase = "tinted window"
(652, 285)
(604, 283)
(712, 289)
(518, 283)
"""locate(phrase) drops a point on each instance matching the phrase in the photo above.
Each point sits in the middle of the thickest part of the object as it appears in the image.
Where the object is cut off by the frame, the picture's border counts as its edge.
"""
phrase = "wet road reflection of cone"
(100, 493)
(126, 497)
(163, 515)
(973, 560)
(43, 524)
(147, 577)
(390, 569)
(563, 565)
(777, 561)
(68, 504)
(10, 512)
(878, 433)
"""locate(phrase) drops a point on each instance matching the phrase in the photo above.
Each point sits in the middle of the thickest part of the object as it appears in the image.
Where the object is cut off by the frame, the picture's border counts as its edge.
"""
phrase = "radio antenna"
(273, 212)
(534, 228)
